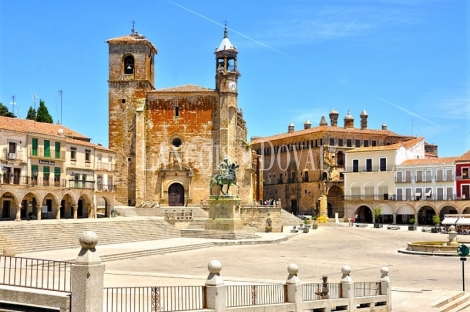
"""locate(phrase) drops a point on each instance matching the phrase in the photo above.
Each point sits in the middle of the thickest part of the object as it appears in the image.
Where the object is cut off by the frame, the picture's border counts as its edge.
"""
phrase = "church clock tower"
(226, 81)
(131, 76)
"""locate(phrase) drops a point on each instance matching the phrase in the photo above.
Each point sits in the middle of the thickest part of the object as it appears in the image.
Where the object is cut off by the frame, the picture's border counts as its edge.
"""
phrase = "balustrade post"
(294, 287)
(87, 276)
(347, 287)
(216, 291)
(386, 287)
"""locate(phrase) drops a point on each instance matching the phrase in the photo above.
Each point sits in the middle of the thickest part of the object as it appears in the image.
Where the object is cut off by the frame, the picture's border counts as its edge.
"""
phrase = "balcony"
(8, 156)
(39, 153)
(105, 187)
(104, 166)
(403, 197)
(358, 169)
(89, 185)
(462, 177)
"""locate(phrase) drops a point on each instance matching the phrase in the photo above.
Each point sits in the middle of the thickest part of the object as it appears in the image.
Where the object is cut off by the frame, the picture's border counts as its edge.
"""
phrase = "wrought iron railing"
(35, 273)
(143, 299)
(247, 295)
(364, 289)
(312, 291)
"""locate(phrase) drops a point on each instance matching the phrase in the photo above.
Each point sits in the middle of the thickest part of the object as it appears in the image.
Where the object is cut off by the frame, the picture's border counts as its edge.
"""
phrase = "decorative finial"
(225, 30)
(133, 27)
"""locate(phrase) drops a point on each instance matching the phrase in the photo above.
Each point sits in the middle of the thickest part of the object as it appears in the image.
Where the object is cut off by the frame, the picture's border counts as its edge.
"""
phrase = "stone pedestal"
(224, 214)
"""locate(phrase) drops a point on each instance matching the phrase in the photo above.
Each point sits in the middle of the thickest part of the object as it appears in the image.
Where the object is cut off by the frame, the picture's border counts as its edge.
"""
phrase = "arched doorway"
(335, 202)
(364, 214)
(176, 195)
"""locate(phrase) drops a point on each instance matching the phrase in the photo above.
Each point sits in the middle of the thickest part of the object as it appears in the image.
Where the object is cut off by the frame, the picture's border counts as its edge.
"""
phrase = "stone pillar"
(87, 274)
(394, 218)
(294, 287)
(18, 213)
(216, 291)
(74, 211)
(38, 212)
(386, 288)
(57, 213)
(347, 287)
(416, 219)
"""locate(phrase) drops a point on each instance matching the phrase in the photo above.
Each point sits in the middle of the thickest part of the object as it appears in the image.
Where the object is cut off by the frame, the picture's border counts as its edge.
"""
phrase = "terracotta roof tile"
(407, 144)
(184, 88)
(329, 129)
(429, 161)
(132, 39)
(464, 157)
(31, 126)
(85, 143)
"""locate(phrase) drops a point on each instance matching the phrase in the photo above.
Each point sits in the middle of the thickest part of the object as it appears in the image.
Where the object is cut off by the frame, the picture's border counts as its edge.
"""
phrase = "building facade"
(51, 171)
(410, 187)
(301, 166)
(170, 141)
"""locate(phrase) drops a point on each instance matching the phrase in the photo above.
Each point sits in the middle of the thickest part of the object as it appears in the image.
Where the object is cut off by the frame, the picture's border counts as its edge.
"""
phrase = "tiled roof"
(85, 143)
(405, 144)
(132, 39)
(464, 157)
(31, 126)
(184, 88)
(429, 161)
(329, 129)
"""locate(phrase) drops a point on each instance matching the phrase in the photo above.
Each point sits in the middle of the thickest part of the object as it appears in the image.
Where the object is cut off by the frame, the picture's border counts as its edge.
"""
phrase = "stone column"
(57, 213)
(38, 212)
(216, 292)
(74, 211)
(394, 218)
(416, 219)
(347, 287)
(18, 213)
(386, 288)
(294, 287)
(87, 274)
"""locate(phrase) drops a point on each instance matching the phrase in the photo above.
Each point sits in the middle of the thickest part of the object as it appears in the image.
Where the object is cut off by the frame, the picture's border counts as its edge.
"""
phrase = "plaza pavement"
(418, 282)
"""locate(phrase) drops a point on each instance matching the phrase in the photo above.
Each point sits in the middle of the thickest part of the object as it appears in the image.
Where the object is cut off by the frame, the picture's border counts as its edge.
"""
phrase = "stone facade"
(170, 141)
(301, 166)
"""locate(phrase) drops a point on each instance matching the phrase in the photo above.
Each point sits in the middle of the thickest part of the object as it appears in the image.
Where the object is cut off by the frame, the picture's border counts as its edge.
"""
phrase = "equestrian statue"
(227, 176)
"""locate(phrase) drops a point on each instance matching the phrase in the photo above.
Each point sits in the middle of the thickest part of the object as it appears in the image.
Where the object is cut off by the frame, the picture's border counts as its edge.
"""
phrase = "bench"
(361, 225)
(426, 230)
(393, 227)
(294, 230)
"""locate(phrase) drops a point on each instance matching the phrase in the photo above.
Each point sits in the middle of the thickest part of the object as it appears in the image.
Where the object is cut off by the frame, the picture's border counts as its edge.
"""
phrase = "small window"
(177, 111)
(355, 165)
(374, 143)
(332, 142)
(368, 165)
(358, 143)
(348, 142)
(176, 142)
(87, 155)
(129, 65)
(73, 153)
(383, 164)
(47, 148)
(35, 147)
(57, 150)
(366, 143)
(340, 142)
(123, 101)
(11, 147)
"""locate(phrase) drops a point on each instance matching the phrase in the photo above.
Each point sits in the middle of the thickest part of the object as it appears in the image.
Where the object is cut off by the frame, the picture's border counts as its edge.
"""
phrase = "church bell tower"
(226, 84)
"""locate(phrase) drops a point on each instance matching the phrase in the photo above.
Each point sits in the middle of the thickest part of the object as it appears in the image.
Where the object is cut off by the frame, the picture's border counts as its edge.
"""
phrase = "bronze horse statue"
(227, 177)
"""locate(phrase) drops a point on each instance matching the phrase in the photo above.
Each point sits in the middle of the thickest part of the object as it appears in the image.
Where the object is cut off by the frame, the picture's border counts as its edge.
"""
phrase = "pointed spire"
(225, 30)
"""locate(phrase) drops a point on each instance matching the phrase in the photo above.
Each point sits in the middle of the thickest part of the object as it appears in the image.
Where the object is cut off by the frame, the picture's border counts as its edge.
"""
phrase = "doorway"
(294, 207)
(176, 195)
(6, 209)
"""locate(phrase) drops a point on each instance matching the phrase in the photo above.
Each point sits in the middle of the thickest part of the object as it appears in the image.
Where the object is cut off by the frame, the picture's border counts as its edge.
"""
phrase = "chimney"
(323, 121)
(348, 121)
(364, 119)
(290, 128)
(307, 124)
(334, 118)
(384, 126)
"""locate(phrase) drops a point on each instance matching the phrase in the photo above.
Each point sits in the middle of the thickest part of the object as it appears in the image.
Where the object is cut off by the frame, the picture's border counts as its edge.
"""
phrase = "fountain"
(435, 248)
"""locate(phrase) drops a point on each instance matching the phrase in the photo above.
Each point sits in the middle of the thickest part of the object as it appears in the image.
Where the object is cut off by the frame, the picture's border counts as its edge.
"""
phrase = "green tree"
(31, 114)
(377, 214)
(43, 114)
(4, 111)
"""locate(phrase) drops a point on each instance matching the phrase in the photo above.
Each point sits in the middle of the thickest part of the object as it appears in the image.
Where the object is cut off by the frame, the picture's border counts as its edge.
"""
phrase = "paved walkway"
(418, 282)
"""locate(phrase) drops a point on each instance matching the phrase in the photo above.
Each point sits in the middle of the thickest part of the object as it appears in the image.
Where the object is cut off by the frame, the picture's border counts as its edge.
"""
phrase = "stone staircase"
(289, 219)
(32, 236)
(455, 303)
(160, 212)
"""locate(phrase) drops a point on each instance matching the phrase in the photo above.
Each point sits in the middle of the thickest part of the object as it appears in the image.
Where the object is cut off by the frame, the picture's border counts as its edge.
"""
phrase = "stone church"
(170, 142)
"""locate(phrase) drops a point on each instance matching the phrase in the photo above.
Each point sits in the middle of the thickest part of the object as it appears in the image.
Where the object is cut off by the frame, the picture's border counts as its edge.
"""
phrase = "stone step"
(457, 302)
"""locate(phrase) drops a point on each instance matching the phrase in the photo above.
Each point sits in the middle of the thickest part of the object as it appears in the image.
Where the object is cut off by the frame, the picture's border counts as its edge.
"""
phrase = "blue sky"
(406, 62)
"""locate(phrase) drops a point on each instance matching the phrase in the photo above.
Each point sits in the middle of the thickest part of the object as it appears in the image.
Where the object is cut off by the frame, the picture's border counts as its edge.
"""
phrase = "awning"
(450, 221)
(464, 221)
(417, 194)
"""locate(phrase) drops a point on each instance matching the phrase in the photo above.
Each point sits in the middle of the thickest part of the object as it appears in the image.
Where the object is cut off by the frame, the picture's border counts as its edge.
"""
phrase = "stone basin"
(433, 247)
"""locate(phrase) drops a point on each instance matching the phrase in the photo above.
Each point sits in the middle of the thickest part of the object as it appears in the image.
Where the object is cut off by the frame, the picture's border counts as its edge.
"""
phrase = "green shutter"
(47, 148)
(57, 171)
(33, 169)
(35, 148)
(57, 150)
(46, 169)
